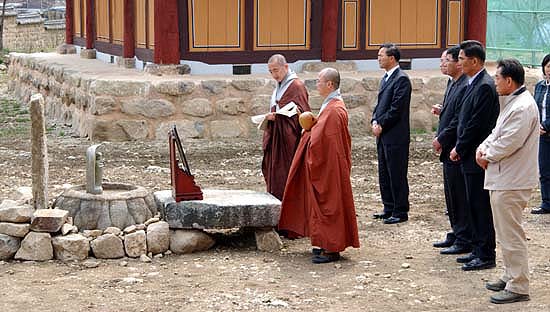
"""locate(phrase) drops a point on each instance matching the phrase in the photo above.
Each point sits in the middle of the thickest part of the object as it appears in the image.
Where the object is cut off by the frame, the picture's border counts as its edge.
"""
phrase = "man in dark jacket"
(390, 125)
(477, 118)
(459, 240)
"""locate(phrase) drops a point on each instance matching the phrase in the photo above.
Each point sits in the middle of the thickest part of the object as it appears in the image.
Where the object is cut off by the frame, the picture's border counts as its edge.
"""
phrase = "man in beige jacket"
(509, 156)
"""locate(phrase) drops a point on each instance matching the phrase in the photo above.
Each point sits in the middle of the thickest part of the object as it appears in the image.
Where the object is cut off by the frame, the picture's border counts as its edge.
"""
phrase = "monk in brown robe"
(318, 200)
(282, 134)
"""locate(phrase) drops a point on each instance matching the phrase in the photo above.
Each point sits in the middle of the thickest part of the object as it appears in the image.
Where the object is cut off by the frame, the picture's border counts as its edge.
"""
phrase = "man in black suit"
(459, 240)
(390, 125)
(478, 115)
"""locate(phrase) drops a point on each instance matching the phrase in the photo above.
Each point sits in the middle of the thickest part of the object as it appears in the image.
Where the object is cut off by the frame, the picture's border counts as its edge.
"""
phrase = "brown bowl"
(307, 120)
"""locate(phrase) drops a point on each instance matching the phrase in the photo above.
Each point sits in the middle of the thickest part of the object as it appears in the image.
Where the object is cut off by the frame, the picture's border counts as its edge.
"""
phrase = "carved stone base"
(159, 70)
(66, 49)
(126, 62)
(120, 205)
(315, 67)
(88, 53)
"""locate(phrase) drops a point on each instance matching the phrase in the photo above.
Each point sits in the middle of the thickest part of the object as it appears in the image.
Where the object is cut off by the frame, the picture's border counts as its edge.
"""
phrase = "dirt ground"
(396, 269)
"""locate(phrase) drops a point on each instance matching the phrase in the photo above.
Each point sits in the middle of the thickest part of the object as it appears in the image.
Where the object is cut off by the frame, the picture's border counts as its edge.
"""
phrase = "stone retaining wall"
(32, 36)
(133, 105)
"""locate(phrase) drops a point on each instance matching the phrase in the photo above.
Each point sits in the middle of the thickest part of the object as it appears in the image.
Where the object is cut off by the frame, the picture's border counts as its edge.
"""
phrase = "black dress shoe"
(448, 242)
(465, 259)
(455, 250)
(394, 220)
(478, 264)
(381, 215)
(317, 251)
(539, 210)
(326, 257)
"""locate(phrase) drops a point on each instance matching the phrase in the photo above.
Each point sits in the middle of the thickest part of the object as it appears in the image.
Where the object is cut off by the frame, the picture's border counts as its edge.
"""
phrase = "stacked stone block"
(45, 234)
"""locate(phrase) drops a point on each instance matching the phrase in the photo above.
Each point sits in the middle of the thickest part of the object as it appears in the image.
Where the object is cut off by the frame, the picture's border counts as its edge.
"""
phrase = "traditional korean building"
(249, 31)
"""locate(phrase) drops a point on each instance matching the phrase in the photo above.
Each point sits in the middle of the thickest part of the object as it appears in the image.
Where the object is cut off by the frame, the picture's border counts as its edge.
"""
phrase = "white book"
(288, 110)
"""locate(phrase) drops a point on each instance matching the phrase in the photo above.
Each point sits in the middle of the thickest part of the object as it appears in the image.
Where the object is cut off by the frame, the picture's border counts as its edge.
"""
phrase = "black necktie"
(383, 82)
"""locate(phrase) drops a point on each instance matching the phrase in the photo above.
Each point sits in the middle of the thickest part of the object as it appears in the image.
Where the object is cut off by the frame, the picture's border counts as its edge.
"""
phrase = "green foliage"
(418, 131)
(14, 119)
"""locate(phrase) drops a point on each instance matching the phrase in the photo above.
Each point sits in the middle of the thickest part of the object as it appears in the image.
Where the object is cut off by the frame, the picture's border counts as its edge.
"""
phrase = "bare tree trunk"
(2, 25)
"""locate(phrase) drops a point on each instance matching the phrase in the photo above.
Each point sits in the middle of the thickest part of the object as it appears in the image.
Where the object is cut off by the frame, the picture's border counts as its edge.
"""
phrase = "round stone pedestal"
(119, 205)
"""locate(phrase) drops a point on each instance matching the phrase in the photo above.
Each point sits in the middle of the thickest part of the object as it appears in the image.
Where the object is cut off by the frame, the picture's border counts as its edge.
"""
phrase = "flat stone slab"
(220, 209)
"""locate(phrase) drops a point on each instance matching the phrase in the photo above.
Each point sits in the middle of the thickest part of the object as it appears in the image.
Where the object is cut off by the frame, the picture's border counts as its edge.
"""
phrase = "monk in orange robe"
(318, 200)
(282, 135)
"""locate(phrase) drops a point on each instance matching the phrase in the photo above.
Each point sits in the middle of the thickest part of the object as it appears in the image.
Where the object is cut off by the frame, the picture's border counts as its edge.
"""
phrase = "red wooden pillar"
(90, 24)
(329, 36)
(69, 21)
(476, 28)
(129, 47)
(167, 38)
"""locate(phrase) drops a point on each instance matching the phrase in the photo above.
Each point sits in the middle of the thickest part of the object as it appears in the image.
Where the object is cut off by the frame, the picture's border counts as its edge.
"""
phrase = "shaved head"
(278, 59)
(331, 74)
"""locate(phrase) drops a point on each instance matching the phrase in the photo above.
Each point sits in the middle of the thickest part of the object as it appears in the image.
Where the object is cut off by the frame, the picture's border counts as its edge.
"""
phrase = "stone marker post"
(39, 153)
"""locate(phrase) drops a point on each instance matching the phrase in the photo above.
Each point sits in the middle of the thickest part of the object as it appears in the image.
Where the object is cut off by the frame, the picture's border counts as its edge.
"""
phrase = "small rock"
(48, 220)
(130, 229)
(131, 280)
(140, 227)
(337, 265)
(157, 169)
(405, 265)
(71, 247)
(14, 229)
(409, 257)
(145, 258)
(158, 237)
(135, 244)
(90, 263)
(152, 220)
(153, 274)
(112, 230)
(268, 240)
(168, 252)
(68, 228)
(35, 247)
(123, 263)
(11, 212)
(9, 245)
(188, 241)
(276, 303)
(92, 233)
(107, 246)
(158, 256)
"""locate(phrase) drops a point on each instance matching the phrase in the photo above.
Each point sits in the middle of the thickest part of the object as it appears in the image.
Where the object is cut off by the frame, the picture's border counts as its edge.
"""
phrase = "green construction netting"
(519, 29)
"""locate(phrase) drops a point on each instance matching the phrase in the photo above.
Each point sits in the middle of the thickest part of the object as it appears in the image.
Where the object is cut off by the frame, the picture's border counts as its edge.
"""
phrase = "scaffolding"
(519, 29)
